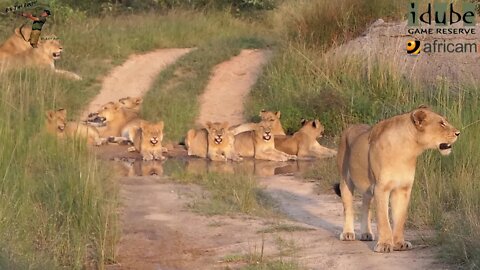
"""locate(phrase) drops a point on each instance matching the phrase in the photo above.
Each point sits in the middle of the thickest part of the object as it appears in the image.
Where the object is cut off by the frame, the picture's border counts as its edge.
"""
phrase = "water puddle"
(262, 168)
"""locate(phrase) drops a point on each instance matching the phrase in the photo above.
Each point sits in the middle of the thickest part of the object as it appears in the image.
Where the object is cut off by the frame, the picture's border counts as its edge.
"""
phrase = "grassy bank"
(57, 201)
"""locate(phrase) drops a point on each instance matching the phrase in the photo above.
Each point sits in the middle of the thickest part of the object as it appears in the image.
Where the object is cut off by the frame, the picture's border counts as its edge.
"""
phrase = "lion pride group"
(119, 122)
(378, 161)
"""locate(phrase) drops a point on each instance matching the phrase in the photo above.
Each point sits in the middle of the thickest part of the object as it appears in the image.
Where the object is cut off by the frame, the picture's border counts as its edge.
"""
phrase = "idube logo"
(413, 47)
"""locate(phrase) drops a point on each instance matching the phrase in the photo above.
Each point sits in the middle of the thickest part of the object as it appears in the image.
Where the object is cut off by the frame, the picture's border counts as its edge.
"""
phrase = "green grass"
(57, 201)
(282, 227)
(227, 194)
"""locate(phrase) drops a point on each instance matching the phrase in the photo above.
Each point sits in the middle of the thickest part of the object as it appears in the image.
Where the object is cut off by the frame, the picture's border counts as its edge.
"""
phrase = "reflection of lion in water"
(16, 43)
(42, 57)
(380, 162)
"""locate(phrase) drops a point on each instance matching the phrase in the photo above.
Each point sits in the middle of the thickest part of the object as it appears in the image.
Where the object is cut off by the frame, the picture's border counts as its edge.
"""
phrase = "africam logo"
(439, 21)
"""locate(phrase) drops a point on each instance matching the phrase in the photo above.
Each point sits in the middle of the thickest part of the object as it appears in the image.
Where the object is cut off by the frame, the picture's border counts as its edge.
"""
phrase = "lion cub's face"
(56, 121)
(434, 130)
(52, 47)
(131, 102)
(152, 134)
(274, 119)
(264, 131)
(312, 127)
(217, 132)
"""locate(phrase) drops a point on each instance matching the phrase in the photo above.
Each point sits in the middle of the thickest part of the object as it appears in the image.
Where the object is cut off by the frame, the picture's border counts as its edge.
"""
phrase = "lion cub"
(259, 144)
(148, 140)
(220, 142)
(304, 142)
(56, 124)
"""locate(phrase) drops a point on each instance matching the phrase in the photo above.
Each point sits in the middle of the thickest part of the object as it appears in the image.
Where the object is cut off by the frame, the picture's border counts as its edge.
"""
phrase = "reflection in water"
(133, 167)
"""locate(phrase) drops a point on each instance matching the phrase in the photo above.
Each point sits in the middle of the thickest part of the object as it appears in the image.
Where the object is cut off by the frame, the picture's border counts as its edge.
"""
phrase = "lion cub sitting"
(303, 143)
(148, 140)
(259, 144)
(56, 124)
(220, 142)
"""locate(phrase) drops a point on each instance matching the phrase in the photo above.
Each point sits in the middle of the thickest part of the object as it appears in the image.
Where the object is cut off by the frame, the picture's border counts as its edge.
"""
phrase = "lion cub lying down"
(148, 140)
(259, 144)
(56, 124)
(303, 143)
(196, 139)
(379, 162)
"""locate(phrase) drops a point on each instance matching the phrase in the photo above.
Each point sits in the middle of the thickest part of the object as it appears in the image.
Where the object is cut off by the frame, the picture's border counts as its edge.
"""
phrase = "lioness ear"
(262, 112)
(278, 114)
(303, 121)
(161, 124)
(418, 118)
(50, 114)
(315, 123)
(138, 100)
(423, 106)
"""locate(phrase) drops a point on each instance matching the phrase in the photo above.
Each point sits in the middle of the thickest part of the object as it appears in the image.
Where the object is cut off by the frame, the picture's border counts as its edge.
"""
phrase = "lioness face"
(52, 47)
(312, 127)
(434, 130)
(264, 131)
(108, 112)
(131, 102)
(274, 119)
(152, 133)
(56, 120)
(217, 132)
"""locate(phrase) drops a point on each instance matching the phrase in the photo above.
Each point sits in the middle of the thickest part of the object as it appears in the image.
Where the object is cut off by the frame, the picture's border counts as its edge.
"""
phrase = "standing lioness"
(380, 163)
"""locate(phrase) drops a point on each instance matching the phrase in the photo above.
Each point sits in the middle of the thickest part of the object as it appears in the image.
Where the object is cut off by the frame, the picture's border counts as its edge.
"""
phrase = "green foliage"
(57, 203)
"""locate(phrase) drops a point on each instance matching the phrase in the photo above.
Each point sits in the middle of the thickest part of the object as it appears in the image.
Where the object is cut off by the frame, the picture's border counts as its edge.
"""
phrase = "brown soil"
(134, 77)
(229, 86)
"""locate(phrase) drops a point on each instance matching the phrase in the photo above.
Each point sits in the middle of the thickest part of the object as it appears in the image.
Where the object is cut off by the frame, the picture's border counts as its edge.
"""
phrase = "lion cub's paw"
(347, 236)
(383, 247)
(401, 246)
(160, 158)
(292, 157)
(366, 237)
(131, 149)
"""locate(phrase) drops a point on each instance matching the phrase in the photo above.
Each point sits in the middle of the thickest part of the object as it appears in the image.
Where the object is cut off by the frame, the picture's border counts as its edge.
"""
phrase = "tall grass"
(320, 24)
(56, 200)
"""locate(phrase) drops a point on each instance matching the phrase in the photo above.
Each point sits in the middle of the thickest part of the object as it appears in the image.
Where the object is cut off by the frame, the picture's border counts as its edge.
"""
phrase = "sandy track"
(134, 77)
(229, 85)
